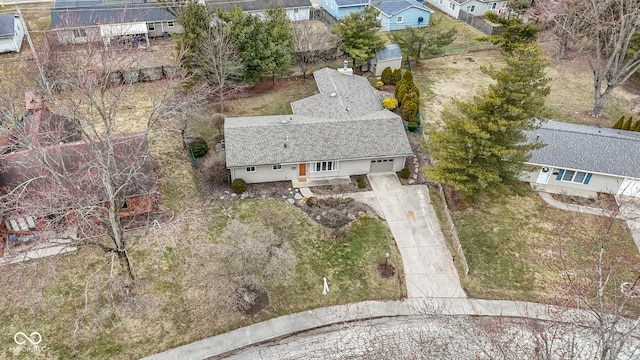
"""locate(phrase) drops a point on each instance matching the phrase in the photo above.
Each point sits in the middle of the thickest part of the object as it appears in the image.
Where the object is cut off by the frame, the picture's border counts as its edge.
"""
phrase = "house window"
(171, 24)
(125, 205)
(295, 11)
(574, 176)
(321, 166)
(151, 26)
(277, 167)
(452, 6)
(471, 8)
(399, 19)
(441, 2)
(493, 6)
(79, 33)
(251, 169)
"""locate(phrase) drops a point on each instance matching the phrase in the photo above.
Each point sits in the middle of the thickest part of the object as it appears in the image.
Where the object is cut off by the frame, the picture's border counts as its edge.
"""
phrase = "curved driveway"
(428, 264)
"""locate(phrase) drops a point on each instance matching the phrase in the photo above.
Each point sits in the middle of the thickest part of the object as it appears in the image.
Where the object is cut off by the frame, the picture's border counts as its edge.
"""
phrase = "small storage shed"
(11, 33)
(390, 56)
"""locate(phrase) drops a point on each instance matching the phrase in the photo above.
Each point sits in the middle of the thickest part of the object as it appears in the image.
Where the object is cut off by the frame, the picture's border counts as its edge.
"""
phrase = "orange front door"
(303, 170)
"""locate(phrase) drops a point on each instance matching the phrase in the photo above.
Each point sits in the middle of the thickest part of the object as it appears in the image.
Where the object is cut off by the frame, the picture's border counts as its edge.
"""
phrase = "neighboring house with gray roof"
(321, 138)
(78, 22)
(390, 56)
(11, 33)
(584, 160)
(296, 10)
(460, 8)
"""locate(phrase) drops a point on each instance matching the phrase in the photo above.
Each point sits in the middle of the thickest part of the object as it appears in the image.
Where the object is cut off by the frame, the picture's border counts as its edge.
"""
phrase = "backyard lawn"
(187, 287)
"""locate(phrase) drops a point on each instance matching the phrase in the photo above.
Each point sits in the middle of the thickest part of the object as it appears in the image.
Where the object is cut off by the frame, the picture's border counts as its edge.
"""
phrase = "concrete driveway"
(428, 264)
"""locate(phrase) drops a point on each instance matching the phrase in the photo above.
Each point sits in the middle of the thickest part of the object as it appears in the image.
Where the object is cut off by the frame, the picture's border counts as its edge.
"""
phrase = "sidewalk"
(629, 212)
(289, 325)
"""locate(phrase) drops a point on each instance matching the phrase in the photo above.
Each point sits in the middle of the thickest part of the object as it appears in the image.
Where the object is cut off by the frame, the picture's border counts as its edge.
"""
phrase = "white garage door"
(381, 165)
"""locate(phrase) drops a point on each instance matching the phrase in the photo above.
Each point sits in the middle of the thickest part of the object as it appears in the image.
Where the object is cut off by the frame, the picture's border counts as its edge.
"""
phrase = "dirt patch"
(334, 213)
(250, 299)
(386, 270)
(603, 201)
(351, 187)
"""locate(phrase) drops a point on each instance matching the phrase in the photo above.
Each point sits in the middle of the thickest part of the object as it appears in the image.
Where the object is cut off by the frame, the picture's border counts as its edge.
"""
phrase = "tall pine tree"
(482, 147)
(358, 33)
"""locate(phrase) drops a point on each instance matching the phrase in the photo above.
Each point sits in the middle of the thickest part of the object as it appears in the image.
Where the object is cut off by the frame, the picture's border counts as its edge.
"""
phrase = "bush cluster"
(390, 103)
(361, 183)
(239, 186)
(199, 147)
(627, 124)
(404, 173)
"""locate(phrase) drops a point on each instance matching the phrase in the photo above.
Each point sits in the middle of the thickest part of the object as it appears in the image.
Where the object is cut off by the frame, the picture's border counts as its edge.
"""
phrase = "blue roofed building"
(339, 9)
(400, 14)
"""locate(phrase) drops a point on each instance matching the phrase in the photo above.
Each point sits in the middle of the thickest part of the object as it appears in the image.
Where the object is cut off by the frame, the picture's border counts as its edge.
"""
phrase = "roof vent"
(333, 94)
(284, 121)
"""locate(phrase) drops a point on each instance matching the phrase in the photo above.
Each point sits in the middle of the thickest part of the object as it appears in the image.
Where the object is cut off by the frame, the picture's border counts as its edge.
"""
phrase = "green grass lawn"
(465, 39)
(515, 250)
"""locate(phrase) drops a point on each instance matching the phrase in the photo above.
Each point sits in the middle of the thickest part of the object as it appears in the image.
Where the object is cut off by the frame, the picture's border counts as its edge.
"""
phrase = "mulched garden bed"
(603, 201)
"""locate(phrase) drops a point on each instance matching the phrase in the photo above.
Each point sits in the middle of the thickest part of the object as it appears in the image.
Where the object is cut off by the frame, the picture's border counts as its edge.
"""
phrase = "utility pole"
(45, 82)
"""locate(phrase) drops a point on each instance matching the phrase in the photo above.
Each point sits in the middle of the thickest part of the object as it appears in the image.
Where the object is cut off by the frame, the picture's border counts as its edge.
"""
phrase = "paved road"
(428, 264)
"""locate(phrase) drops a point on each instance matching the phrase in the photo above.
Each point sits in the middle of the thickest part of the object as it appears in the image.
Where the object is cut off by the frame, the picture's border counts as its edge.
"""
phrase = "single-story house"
(296, 10)
(400, 14)
(11, 33)
(339, 9)
(584, 160)
(39, 200)
(390, 56)
(343, 130)
(453, 8)
(82, 21)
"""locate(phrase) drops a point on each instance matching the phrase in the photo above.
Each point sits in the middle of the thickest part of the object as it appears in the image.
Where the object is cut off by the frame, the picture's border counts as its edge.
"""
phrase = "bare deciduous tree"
(314, 44)
(93, 185)
(604, 30)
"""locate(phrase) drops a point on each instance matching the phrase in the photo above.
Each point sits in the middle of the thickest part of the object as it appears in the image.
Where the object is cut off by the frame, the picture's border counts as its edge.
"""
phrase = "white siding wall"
(265, 173)
(443, 5)
(597, 183)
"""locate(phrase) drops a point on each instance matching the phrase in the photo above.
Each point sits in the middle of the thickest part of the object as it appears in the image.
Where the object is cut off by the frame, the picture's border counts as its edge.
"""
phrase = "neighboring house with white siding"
(473, 7)
(11, 33)
(585, 160)
(343, 130)
(296, 10)
(79, 22)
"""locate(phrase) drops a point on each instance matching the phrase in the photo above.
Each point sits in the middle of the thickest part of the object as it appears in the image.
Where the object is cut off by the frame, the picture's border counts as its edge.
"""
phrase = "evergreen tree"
(280, 40)
(408, 77)
(358, 33)
(418, 43)
(401, 90)
(515, 33)
(636, 126)
(619, 123)
(195, 20)
(482, 147)
(627, 124)
(386, 76)
(396, 76)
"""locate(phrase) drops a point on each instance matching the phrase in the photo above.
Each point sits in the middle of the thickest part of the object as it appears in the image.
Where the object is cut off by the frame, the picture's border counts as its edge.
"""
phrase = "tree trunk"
(562, 49)
(221, 99)
(600, 98)
(125, 263)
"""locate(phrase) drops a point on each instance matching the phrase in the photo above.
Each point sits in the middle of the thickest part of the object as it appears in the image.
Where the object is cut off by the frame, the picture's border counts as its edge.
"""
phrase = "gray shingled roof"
(261, 140)
(341, 97)
(392, 7)
(587, 148)
(90, 13)
(256, 5)
(7, 25)
(351, 2)
(389, 52)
